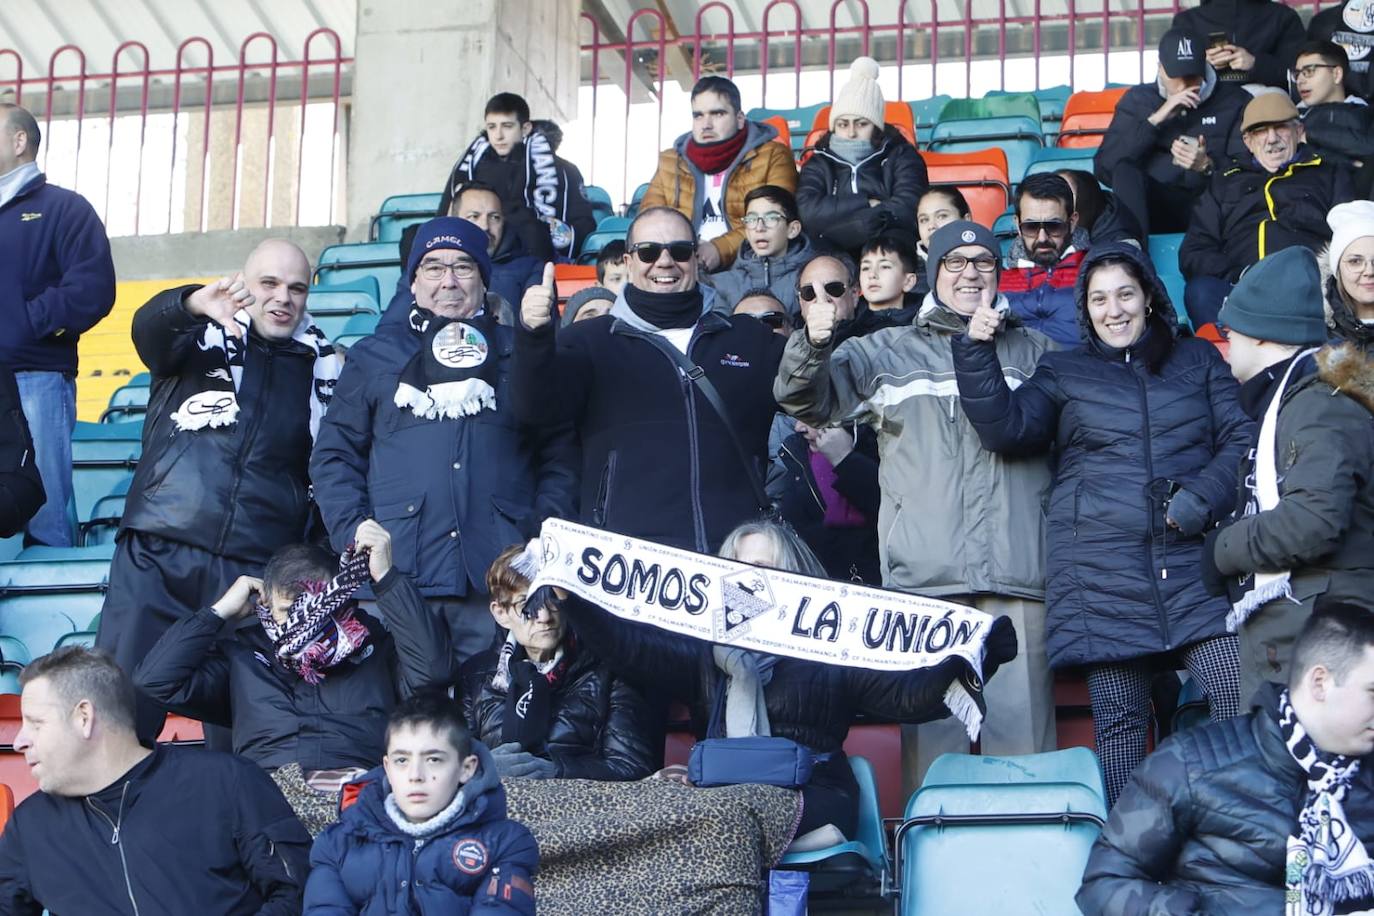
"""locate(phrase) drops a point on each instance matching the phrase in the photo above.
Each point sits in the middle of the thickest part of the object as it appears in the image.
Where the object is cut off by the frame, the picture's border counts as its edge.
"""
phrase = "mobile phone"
(1191, 141)
(1217, 39)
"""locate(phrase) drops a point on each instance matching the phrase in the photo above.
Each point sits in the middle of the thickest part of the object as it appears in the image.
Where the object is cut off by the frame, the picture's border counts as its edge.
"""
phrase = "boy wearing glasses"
(1049, 247)
(774, 251)
(1339, 125)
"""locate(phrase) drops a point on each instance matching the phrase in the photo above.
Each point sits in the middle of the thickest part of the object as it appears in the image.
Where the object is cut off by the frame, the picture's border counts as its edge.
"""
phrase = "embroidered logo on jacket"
(29, 217)
(470, 856)
(735, 360)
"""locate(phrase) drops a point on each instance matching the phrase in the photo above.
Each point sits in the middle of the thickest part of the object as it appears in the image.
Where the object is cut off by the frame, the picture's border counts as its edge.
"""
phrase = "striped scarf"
(320, 629)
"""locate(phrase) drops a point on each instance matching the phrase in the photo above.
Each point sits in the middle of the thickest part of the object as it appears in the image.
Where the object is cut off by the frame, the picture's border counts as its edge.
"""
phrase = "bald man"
(56, 281)
(241, 380)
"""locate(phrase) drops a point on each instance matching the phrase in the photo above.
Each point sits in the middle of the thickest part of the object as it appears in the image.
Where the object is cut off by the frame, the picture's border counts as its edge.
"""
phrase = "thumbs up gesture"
(220, 301)
(536, 308)
(820, 321)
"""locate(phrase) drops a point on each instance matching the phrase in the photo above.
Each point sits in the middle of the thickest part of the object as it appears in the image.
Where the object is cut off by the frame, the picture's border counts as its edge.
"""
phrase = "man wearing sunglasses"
(1339, 125)
(658, 459)
(956, 521)
(1046, 255)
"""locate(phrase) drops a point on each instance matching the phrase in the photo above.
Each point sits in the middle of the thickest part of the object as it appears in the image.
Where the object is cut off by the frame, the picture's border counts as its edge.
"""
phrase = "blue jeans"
(1202, 297)
(49, 401)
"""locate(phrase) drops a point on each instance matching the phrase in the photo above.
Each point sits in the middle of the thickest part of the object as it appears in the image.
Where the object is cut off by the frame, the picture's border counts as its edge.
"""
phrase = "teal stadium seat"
(78, 638)
(924, 114)
(130, 401)
(330, 307)
(14, 655)
(1005, 231)
(1054, 158)
(346, 263)
(799, 121)
(1000, 834)
(635, 201)
(1010, 122)
(47, 589)
(600, 199)
(1164, 255)
(101, 526)
(1052, 100)
(865, 856)
(610, 229)
(103, 455)
(356, 328)
(402, 210)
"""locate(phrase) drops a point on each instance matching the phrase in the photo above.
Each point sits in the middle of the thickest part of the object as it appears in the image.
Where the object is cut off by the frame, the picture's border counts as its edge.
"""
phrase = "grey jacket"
(955, 519)
(778, 274)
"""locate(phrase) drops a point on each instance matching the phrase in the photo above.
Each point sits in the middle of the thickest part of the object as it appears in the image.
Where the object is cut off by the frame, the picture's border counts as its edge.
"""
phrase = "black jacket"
(600, 726)
(1203, 826)
(190, 831)
(237, 491)
(657, 460)
(1232, 227)
(21, 488)
(1343, 133)
(1270, 30)
(1131, 138)
(1120, 584)
(277, 716)
(833, 194)
(1348, 24)
(847, 553)
(453, 493)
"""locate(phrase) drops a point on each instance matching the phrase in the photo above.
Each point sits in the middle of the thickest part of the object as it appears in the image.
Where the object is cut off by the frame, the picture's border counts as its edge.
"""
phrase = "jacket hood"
(1339, 317)
(799, 251)
(1347, 368)
(485, 801)
(1209, 84)
(758, 134)
(1161, 326)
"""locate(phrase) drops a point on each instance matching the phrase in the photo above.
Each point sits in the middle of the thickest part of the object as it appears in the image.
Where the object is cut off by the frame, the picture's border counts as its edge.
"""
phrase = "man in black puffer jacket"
(240, 382)
(1206, 823)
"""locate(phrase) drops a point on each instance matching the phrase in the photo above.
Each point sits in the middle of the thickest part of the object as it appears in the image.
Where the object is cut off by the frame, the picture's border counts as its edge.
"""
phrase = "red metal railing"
(163, 93)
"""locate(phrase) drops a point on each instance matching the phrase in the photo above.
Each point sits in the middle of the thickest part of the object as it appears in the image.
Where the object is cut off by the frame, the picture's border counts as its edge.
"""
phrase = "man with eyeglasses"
(1275, 197)
(423, 437)
(773, 253)
(956, 521)
(659, 461)
(1338, 125)
(1046, 254)
(1349, 24)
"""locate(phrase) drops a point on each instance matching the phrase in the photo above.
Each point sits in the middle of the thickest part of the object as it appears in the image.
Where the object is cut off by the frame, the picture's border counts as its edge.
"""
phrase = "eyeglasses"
(775, 320)
(650, 252)
(1309, 70)
(834, 289)
(984, 264)
(1051, 227)
(1356, 263)
(770, 220)
(435, 270)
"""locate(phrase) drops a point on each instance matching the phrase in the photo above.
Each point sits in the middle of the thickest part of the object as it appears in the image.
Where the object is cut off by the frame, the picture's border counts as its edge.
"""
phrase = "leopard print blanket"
(653, 847)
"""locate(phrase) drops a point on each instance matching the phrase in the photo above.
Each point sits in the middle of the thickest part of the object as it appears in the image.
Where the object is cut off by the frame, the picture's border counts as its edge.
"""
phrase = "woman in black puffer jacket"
(863, 178)
(1148, 434)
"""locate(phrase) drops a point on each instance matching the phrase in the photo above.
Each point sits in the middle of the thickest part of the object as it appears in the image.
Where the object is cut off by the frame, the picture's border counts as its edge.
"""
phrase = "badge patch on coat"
(460, 346)
(470, 856)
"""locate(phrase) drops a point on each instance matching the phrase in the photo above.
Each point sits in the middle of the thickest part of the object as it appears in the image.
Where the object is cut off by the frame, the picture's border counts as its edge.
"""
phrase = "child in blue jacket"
(432, 836)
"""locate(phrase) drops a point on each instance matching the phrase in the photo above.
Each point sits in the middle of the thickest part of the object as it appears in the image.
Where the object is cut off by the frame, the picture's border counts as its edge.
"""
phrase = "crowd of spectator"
(829, 370)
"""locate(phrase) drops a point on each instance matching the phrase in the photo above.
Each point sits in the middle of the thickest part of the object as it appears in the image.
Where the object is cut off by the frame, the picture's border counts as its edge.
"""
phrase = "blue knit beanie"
(954, 235)
(455, 234)
(1279, 299)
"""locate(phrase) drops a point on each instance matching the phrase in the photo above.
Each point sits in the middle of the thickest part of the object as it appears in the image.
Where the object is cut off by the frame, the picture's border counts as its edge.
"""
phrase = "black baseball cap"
(1182, 53)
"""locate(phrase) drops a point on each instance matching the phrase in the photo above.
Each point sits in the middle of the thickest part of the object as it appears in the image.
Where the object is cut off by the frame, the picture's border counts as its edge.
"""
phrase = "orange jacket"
(762, 161)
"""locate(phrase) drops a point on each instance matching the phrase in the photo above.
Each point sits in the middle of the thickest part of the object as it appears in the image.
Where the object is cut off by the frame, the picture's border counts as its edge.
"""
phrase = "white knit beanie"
(861, 97)
(1348, 222)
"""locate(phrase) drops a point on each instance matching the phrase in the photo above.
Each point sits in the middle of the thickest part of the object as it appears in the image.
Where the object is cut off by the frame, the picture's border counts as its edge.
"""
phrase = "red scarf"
(715, 157)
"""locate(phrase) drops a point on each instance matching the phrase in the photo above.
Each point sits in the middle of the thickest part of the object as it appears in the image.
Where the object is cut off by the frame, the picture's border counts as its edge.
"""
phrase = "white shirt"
(10, 184)
(678, 337)
(713, 222)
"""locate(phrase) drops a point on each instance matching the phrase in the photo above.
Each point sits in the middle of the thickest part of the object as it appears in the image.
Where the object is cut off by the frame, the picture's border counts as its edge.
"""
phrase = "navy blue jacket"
(452, 493)
(57, 278)
(481, 863)
(198, 832)
(1120, 584)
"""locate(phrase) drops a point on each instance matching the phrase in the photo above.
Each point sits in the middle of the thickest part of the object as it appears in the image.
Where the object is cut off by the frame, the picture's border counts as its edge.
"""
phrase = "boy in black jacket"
(1338, 124)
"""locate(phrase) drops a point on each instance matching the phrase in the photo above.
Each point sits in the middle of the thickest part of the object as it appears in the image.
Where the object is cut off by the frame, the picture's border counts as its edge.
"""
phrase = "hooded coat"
(1043, 297)
(833, 194)
(1339, 316)
(481, 862)
(1125, 425)
(777, 273)
(1269, 30)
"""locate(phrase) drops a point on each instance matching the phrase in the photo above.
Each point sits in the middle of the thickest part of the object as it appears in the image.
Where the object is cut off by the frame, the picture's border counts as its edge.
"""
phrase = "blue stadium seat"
(1164, 255)
(103, 454)
(1005, 231)
(865, 856)
(14, 655)
(610, 229)
(331, 306)
(10, 546)
(1052, 100)
(600, 199)
(1011, 122)
(402, 210)
(1054, 158)
(634, 205)
(129, 402)
(1000, 834)
(78, 638)
(924, 114)
(346, 263)
(798, 120)
(101, 526)
(47, 589)
(356, 328)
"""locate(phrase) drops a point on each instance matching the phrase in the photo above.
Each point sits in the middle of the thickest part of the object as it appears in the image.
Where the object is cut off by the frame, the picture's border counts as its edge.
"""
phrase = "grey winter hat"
(951, 236)
(581, 298)
(1279, 299)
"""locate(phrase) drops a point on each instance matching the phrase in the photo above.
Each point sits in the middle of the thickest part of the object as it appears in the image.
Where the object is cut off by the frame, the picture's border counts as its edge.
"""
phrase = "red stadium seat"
(981, 175)
(570, 278)
(1210, 333)
(1086, 116)
(6, 805)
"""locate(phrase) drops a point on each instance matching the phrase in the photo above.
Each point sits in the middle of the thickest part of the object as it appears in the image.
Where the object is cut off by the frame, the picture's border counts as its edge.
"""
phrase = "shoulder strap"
(712, 396)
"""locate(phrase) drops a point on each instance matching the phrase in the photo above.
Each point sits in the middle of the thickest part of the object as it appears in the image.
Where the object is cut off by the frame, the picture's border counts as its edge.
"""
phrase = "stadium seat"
(346, 263)
(14, 655)
(1164, 255)
(402, 210)
(631, 211)
(1000, 834)
(798, 120)
(897, 114)
(981, 176)
(1212, 335)
(1004, 227)
(1054, 158)
(356, 328)
(1052, 100)
(129, 402)
(570, 278)
(1010, 122)
(1193, 708)
(865, 856)
(600, 199)
(6, 805)
(1073, 712)
(102, 524)
(14, 772)
(103, 455)
(1086, 116)
(10, 546)
(881, 746)
(77, 638)
(47, 589)
(924, 114)
(779, 123)
(330, 307)
(610, 229)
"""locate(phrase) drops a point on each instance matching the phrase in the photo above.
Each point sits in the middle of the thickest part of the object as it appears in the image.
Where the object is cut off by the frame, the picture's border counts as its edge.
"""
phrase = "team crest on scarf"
(744, 596)
(460, 346)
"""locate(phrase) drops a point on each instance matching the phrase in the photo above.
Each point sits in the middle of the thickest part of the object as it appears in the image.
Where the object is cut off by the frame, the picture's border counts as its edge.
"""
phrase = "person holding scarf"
(241, 379)
(423, 437)
(305, 678)
(708, 172)
(1305, 531)
(1263, 813)
(659, 461)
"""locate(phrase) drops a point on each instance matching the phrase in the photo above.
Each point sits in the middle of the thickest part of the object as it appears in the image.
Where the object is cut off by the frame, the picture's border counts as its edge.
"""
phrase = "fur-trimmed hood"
(1339, 317)
(1347, 367)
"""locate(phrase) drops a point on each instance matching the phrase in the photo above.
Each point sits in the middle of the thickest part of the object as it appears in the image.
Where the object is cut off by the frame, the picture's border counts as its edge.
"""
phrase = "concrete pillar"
(423, 72)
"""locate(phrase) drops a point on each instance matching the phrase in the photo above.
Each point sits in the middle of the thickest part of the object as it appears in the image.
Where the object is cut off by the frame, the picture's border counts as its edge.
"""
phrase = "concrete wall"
(208, 254)
(422, 74)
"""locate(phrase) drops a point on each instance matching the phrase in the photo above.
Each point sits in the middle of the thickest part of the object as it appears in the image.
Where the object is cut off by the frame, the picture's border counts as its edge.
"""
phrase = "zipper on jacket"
(1150, 509)
(248, 432)
(806, 475)
(115, 841)
(698, 524)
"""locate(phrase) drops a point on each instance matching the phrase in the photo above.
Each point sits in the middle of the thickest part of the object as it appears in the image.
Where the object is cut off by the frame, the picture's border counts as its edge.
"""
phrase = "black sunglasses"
(834, 289)
(774, 320)
(649, 252)
(1050, 227)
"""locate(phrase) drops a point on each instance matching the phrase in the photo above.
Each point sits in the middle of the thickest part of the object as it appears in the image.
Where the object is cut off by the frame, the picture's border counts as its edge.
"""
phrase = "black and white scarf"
(544, 187)
(454, 373)
(1328, 871)
(529, 687)
(216, 403)
(321, 630)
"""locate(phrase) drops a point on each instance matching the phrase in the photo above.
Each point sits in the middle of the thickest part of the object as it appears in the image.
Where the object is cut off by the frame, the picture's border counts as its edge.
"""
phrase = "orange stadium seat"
(784, 132)
(6, 805)
(1086, 116)
(898, 114)
(570, 278)
(981, 175)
